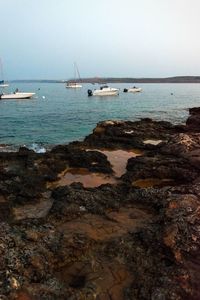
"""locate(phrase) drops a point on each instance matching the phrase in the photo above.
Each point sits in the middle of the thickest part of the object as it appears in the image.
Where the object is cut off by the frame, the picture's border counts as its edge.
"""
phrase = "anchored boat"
(3, 84)
(133, 90)
(74, 84)
(104, 91)
(16, 95)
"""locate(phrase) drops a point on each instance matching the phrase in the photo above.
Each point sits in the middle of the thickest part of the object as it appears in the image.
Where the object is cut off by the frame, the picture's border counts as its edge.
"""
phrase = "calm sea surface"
(60, 115)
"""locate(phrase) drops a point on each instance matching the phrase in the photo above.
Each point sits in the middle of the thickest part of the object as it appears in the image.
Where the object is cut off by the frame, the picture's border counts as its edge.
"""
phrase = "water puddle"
(152, 182)
(87, 178)
(118, 160)
(152, 142)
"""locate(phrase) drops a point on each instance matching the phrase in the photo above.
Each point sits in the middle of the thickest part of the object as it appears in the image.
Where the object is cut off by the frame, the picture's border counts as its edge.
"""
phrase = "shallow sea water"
(58, 115)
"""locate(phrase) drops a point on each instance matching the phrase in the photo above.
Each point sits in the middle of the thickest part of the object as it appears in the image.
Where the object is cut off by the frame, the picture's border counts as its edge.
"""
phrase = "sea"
(57, 115)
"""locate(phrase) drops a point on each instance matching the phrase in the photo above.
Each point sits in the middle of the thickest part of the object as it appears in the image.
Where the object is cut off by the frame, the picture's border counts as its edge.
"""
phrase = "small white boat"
(104, 91)
(73, 85)
(133, 90)
(16, 95)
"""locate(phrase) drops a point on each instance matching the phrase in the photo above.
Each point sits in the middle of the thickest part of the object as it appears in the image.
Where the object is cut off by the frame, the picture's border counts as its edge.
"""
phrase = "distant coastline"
(102, 80)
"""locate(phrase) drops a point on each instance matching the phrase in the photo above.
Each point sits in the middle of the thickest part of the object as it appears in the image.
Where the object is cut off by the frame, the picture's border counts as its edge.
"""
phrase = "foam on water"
(37, 148)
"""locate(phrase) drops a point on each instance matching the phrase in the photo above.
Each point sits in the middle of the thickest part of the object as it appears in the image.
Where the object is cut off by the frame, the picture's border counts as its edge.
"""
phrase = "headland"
(103, 80)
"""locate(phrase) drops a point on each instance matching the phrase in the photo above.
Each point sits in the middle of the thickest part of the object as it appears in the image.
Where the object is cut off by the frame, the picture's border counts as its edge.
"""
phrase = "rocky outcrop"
(128, 135)
(193, 122)
(137, 238)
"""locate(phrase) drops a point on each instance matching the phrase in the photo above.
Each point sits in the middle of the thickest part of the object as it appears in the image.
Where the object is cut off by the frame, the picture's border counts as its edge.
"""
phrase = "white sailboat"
(73, 84)
(3, 84)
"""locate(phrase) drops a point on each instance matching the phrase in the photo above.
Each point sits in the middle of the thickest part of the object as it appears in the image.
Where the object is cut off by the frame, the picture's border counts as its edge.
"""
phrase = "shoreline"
(134, 237)
(46, 146)
(104, 80)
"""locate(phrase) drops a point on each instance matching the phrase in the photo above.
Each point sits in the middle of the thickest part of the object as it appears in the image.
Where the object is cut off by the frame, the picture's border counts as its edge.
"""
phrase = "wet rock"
(162, 167)
(185, 146)
(37, 210)
(193, 122)
(94, 161)
(127, 135)
(23, 151)
(94, 200)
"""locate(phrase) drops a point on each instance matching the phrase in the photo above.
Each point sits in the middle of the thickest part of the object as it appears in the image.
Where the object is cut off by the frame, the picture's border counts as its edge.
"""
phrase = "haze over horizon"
(107, 38)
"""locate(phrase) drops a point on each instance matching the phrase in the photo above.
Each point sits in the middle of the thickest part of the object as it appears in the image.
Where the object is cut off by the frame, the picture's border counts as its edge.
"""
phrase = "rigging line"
(77, 70)
(1, 69)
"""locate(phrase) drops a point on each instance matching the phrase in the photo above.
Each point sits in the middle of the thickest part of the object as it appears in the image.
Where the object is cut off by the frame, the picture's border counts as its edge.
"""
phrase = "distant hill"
(38, 80)
(103, 80)
(177, 79)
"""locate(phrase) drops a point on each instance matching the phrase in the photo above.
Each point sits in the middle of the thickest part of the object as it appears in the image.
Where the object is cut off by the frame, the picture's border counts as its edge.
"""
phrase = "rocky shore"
(136, 236)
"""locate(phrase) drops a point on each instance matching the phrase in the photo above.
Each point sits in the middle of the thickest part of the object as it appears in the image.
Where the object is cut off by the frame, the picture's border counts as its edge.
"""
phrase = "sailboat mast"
(74, 72)
(1, 69)
(77, 71)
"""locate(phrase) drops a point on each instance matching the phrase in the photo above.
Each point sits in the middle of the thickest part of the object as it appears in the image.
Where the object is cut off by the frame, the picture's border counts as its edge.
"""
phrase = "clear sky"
(40, 39)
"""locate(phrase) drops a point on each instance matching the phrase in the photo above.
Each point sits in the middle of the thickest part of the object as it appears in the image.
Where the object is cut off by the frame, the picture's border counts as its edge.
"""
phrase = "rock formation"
(137, 238)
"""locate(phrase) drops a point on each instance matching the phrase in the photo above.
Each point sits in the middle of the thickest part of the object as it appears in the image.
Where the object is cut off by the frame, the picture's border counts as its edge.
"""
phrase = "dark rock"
(193, 122)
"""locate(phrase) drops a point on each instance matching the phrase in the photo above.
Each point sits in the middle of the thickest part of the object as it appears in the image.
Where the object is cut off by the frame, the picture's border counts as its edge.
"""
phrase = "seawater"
(58, 115)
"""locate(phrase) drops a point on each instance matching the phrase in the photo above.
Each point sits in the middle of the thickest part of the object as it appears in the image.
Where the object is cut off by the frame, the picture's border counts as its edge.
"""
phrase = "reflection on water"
(152, 182)
(119, 158)
(85, 177)
(152, 142)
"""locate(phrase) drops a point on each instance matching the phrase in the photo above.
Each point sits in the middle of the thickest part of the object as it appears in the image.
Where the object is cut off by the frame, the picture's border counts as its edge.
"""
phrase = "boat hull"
(17, 96)
(104, 93)
(134, 90)
(74, 86)
(3, 85)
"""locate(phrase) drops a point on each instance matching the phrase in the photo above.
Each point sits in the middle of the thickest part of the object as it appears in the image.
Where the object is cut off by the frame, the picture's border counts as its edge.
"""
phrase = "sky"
(41, 39)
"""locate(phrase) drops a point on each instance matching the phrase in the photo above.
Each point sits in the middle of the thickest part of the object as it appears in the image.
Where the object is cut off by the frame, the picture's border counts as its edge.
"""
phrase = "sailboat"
(73, 84)
(2, 82)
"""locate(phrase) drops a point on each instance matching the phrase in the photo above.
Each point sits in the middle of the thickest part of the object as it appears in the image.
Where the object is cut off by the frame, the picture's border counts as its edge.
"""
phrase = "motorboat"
(16, 95)
(104, 91)
(73, 84)
(133, 90)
